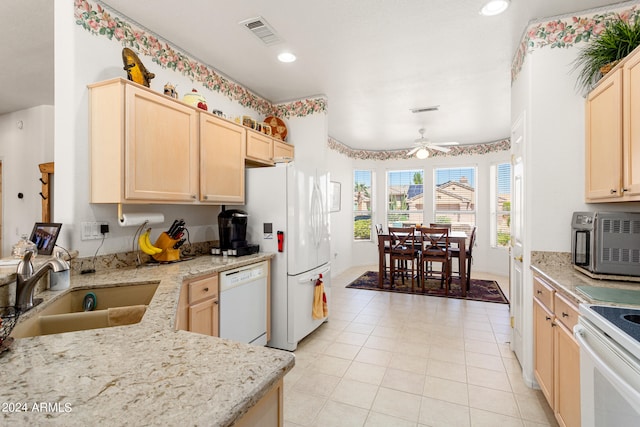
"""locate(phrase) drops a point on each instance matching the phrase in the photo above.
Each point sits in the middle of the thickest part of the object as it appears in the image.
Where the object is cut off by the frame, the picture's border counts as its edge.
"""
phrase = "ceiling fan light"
(422, 153)
(494, 7)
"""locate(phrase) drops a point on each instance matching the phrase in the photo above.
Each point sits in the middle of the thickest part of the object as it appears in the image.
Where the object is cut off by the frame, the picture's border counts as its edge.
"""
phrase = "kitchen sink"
(114, 306)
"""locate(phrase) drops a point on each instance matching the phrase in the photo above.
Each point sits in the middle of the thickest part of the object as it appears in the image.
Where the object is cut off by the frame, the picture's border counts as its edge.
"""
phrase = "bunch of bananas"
(145, 244)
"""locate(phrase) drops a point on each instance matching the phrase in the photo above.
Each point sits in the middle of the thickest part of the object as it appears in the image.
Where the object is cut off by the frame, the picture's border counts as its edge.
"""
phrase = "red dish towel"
(320, 309)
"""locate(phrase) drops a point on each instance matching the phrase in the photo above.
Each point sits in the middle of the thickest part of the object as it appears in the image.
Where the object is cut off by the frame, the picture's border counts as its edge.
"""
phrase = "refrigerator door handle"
(314, 277)
(316, 215)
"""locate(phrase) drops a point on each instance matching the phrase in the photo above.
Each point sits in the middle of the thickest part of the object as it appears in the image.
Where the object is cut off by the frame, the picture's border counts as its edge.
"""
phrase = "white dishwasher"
(243, 304)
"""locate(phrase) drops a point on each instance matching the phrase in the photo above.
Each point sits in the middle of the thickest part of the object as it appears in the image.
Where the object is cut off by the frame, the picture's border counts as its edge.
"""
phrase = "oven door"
(609, 380)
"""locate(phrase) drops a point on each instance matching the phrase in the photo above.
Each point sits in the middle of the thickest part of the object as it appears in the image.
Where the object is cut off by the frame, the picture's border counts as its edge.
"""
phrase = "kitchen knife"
(173, 227)
(179, 243)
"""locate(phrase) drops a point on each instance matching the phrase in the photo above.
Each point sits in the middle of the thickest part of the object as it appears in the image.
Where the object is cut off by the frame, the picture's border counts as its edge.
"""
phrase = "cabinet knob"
(612, 191)
(565, 314)
(539, 292)
(547, 318)
(518, 258)
(206, 289)
(624, 189)
(215, 302)
(193, 196)
(206, 197)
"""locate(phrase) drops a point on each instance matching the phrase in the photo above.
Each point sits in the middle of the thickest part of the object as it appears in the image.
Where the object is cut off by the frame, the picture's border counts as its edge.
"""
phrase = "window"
(362, 203)
(405, 198)
(455, 197)
(501, 209)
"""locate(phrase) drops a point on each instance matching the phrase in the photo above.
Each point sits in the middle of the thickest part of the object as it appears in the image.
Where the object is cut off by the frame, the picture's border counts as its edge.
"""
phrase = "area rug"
(481, 290)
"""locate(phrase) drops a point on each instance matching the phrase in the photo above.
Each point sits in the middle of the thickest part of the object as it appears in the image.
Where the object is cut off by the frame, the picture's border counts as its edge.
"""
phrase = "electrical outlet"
(91, 230)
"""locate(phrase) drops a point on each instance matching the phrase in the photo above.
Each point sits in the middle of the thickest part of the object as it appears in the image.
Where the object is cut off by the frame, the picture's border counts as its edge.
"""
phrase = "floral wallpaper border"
(475, 149)
(565, 32)
(95, 18)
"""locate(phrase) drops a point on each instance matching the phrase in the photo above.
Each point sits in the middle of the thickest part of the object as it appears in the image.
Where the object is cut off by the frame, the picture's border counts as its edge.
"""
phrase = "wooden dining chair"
(385, 248)
(446, 225)
(435, 248)
(455, 253)
(404, 254)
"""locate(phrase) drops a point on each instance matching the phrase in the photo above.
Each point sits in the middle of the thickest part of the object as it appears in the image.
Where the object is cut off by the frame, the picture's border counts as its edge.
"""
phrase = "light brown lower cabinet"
(198, 309)
(268, 412)
(556, 352)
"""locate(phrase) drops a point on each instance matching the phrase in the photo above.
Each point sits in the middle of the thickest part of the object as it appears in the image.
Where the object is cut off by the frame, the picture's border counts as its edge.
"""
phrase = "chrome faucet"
(27, 278)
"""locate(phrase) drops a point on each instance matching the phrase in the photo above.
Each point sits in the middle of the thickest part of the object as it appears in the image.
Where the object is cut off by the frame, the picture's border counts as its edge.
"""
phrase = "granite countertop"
(147, 373)
(566, 278)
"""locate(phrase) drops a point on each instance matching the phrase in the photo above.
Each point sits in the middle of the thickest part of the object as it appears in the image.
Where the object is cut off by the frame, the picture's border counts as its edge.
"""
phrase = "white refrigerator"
(294, 201)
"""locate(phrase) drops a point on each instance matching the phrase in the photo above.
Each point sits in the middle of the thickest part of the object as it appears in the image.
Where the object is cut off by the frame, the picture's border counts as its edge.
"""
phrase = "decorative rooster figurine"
(136, 71)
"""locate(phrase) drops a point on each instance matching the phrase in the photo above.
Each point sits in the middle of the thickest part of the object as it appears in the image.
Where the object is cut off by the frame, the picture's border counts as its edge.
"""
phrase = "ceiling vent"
(262, 30)
(425, 109)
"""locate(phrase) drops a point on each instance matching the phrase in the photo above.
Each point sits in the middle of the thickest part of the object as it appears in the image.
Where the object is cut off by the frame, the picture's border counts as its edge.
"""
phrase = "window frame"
(389, 211)
(496, 213)
(473, 212)
(358, 212)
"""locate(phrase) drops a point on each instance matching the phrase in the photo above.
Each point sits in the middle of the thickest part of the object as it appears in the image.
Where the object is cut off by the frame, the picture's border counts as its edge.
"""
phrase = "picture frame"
(334, 196)
(45, 235)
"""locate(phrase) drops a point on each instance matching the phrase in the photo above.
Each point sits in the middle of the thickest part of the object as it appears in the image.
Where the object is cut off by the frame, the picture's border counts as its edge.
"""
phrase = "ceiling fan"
(422, 146)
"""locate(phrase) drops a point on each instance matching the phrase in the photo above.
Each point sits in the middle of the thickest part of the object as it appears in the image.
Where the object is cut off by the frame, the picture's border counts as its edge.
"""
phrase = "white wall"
(349, 252)
(21, 151)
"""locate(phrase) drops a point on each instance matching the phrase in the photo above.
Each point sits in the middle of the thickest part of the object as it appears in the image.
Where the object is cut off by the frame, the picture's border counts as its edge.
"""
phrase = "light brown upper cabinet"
(263, 150)
(259, 148)
(144, 146)
(222, 153)
(613, 135)
(282, 150)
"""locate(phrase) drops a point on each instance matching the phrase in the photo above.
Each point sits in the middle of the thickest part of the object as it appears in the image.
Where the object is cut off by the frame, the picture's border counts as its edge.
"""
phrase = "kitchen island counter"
(147, 373)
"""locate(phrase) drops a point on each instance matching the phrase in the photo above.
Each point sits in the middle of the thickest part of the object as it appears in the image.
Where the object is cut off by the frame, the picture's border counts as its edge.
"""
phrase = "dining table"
(455, 237)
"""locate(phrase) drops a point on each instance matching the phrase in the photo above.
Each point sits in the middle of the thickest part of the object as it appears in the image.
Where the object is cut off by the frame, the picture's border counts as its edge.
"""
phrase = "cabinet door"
(222, 152)
(604, 139)
(567, 377)
(259, 148)
(161, 148)
(203, 317)
(282, 150)
(543, 349)
(631, 146)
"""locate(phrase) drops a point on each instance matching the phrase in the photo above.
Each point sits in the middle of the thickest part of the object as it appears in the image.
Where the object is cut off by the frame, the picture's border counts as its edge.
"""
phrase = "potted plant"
(615, 42)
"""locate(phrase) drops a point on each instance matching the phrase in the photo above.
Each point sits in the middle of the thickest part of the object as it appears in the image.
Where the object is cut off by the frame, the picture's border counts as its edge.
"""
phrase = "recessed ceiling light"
(494, 7)
(286, 57)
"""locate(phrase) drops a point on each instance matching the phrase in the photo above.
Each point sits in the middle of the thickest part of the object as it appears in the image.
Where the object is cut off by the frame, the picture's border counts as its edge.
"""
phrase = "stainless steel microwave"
(606, 242)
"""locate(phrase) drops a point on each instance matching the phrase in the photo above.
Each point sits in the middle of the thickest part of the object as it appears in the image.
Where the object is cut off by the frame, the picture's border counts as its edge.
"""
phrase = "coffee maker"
(232, 231)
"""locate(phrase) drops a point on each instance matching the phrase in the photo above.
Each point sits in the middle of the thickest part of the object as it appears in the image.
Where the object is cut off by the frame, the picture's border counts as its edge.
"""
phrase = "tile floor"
(387, 359)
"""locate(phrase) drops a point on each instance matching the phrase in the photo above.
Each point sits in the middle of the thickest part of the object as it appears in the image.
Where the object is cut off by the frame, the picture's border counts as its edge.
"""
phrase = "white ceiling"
(373, 59)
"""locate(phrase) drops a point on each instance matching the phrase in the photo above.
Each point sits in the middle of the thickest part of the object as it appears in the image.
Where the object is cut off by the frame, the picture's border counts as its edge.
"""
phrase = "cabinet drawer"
(204, 288)
(565, 311)
(543, 292)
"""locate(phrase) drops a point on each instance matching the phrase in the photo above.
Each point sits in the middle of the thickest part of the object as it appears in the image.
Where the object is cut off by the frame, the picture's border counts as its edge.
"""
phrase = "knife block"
(166, 243)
